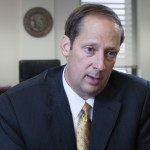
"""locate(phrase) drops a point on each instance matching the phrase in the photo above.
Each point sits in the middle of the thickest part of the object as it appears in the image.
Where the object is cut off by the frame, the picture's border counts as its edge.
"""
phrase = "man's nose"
(99, 62)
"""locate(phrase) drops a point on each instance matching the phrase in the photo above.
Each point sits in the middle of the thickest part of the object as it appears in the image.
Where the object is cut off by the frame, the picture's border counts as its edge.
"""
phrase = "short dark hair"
(72, 26)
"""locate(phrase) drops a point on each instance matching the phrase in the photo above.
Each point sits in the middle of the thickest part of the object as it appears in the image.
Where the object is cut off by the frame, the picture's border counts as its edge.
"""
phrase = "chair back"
(31, 68)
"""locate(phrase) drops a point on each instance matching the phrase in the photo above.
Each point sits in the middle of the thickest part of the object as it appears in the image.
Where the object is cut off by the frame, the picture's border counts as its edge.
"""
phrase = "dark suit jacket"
(35, 115)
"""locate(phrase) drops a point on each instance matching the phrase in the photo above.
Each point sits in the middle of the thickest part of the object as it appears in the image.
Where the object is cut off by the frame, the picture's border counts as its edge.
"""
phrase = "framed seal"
(38, 22)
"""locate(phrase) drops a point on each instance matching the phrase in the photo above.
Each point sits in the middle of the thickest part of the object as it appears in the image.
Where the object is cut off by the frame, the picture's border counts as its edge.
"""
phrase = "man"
(42, 113)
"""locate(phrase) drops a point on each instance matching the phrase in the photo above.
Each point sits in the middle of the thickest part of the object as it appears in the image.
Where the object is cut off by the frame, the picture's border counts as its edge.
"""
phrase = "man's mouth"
(93, 80)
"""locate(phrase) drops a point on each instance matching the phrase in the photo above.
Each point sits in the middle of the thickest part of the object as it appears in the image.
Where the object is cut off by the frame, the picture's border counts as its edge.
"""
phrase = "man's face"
(92, 57)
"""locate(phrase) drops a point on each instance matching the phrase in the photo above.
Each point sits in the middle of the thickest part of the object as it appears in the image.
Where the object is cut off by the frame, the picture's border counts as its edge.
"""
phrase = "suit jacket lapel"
(66, 136)
(62, 123)
(105, 113)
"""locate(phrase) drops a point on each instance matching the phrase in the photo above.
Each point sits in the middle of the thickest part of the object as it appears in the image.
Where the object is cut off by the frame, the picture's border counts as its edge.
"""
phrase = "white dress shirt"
(76, 102)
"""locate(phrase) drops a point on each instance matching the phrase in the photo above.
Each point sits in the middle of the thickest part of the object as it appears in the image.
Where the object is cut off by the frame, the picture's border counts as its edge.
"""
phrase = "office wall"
(16, 43)
(9, 41)
(143, 37)
(35, 47)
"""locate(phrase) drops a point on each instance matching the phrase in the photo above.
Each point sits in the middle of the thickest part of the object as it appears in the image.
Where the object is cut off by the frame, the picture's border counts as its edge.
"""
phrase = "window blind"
(123, 9)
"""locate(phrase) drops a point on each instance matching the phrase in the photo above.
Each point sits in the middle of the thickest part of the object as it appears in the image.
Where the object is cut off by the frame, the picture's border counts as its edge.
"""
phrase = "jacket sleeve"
(144, 126)
(10, 133)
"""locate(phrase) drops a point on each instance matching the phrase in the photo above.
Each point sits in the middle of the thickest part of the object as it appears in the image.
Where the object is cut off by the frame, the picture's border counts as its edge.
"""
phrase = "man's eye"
(111, 55)
(89, 50)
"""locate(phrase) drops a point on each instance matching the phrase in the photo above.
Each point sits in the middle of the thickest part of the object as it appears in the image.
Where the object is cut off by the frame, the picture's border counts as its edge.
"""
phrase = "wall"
(33, 47)
(9, 35)
(143, 36)
(16, 43)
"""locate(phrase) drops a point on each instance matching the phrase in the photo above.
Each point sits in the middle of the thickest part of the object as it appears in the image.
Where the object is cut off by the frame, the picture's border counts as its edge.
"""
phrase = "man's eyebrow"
(112, 48)
(89, 43)
(93, 43)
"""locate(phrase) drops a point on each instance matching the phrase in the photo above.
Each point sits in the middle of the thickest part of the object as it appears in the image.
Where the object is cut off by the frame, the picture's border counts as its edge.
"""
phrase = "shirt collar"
(75, 101)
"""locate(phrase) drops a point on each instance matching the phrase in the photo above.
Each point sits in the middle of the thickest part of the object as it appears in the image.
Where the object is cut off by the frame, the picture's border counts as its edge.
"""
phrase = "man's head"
(74, 21)
(93, 35)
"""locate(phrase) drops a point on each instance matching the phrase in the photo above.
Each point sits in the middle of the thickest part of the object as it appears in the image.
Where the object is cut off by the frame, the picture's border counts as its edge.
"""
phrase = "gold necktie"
(83, 128)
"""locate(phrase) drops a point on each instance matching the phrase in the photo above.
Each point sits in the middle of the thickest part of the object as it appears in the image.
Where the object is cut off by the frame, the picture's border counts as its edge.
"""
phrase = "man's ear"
(65, 45)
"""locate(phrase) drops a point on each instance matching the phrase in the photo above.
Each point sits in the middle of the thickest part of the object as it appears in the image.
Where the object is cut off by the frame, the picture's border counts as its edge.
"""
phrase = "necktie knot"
(86, 107)
(85, 112)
